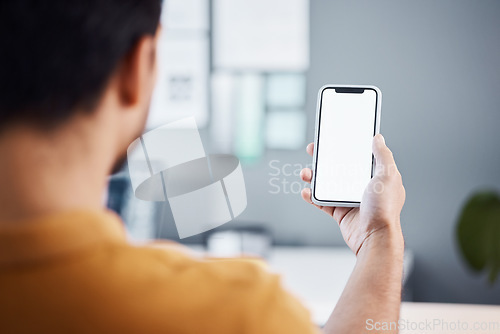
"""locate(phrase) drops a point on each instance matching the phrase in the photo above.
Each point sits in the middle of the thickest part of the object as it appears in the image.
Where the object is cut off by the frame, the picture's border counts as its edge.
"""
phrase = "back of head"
(58, 55)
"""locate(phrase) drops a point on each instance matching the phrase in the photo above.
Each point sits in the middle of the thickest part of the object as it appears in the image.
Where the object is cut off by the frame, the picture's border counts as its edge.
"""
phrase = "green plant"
(478, 233)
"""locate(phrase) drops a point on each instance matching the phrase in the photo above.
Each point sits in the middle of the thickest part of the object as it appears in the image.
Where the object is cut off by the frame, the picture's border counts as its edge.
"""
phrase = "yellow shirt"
(74, 272)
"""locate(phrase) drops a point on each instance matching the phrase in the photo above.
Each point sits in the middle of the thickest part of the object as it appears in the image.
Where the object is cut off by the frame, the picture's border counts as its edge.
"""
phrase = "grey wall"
(438, 66)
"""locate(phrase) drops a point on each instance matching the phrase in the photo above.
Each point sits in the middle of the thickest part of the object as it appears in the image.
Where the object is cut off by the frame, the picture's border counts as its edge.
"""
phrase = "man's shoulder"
(175, 262)
(145, 288)
(170, 280)
(221, 293)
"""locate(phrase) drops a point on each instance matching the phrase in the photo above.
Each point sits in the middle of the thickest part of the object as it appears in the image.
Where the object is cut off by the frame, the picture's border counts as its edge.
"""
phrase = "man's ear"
(136, 75)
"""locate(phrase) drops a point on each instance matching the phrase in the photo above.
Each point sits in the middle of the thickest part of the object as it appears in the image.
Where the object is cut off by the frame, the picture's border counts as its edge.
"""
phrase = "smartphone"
(347, 118)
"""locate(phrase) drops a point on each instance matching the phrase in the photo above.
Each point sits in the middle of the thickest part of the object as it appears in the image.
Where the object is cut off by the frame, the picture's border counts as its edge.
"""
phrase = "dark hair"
(57, 55)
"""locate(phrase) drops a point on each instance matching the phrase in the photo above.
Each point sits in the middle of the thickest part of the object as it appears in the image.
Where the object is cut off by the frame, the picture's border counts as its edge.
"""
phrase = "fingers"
(306, 175)
(306, 196)
(310, 149)
(340, 213)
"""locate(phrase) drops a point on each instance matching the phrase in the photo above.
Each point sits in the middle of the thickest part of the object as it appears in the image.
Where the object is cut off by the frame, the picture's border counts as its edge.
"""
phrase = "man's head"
(64, 60)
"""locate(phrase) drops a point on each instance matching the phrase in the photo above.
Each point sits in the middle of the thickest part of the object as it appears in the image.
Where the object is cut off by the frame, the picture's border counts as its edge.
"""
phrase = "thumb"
(383, 155)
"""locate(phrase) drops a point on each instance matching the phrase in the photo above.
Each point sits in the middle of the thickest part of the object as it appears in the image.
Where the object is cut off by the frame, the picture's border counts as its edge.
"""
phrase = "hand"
(380, 207)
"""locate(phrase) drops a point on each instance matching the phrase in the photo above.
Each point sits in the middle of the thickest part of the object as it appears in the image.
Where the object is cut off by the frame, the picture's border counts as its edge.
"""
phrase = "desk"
(449, 318)
(317, 275)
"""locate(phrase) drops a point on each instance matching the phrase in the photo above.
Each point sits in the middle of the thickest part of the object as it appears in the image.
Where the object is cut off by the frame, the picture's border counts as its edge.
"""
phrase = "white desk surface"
(449, 318)
(317, 275)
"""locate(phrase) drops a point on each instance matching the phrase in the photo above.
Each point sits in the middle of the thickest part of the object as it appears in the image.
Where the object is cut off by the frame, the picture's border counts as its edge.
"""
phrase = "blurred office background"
(249, 71)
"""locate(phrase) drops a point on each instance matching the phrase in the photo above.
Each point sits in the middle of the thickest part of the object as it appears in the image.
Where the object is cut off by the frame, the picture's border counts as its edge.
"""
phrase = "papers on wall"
(250, 108)
(286, 90)
(261, 34)
(182, 84)
(185, 15)
(260, 51)
(286, 120)
(250, 111)
(285, 129)
(183, 64)
(223, 111)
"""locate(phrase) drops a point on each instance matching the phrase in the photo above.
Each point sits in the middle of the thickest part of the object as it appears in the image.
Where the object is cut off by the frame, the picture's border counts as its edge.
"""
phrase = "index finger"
(310, 149)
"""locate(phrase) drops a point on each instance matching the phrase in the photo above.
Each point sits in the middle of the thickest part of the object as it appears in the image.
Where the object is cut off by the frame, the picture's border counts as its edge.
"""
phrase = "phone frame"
(376, 129)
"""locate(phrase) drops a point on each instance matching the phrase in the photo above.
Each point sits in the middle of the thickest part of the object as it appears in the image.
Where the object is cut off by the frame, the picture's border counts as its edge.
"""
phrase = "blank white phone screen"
(344, 154)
